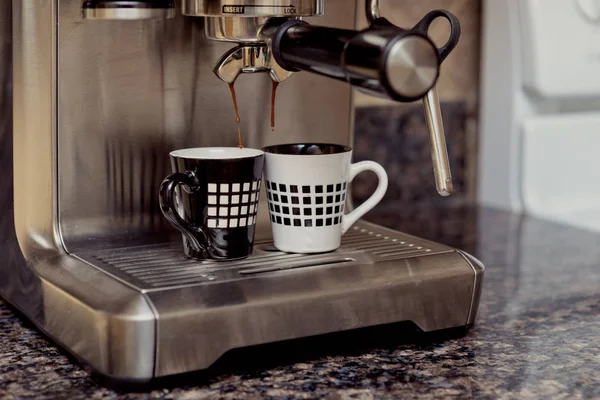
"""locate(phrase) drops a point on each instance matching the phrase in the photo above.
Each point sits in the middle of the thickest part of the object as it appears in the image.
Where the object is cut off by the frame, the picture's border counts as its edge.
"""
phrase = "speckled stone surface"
(397, 138)
(537, 333)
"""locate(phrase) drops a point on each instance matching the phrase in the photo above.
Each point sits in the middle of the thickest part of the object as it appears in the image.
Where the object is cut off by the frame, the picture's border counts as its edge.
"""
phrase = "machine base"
(144, 312)
(249, 360)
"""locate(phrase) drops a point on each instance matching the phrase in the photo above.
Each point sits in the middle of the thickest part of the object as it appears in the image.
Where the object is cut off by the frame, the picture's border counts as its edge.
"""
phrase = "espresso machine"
(103, 90)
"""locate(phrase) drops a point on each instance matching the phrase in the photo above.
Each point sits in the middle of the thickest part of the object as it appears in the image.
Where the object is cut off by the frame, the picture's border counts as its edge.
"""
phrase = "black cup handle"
(195, 235)
(422, 27)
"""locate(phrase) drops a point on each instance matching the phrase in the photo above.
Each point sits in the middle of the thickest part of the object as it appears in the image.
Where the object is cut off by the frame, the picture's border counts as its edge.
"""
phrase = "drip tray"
(203, 309)
(163, 266)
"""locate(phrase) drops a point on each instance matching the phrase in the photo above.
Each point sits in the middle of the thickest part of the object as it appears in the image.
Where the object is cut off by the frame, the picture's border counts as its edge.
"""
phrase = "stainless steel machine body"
(87, 257)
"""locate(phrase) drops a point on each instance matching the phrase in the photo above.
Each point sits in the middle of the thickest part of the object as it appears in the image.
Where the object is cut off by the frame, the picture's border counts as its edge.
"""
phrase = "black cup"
(212, 199)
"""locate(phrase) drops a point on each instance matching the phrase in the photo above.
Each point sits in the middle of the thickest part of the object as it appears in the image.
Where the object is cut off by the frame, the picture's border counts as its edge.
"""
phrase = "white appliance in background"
(540, 109)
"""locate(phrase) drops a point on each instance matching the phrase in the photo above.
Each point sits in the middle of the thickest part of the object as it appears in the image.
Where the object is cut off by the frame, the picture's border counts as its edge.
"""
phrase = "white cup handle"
(349, 219)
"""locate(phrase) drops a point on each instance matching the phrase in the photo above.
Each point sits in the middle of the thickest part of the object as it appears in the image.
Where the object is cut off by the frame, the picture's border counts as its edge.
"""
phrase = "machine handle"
(195, 235)
(383, 60)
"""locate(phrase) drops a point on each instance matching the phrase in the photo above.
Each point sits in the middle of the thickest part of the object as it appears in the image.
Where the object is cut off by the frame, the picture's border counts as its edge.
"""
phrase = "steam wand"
(431, 103)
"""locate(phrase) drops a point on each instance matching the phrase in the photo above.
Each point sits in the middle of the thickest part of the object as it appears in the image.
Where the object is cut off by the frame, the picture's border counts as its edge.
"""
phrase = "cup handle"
(349, 219)
(195, 235)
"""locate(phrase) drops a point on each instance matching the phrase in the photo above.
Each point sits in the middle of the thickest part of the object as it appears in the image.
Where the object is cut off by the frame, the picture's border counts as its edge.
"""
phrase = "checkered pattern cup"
(306, 187)
(212, 199)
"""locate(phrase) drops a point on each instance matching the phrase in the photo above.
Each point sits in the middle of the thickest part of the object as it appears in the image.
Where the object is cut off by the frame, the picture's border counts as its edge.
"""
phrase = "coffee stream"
(273, 91)
(237, 114)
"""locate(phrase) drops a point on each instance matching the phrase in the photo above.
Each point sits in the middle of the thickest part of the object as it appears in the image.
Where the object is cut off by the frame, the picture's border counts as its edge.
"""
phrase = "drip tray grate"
(161, 266)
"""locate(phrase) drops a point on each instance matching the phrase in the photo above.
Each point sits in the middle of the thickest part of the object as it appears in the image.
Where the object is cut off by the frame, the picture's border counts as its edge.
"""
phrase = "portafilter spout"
(248, 59)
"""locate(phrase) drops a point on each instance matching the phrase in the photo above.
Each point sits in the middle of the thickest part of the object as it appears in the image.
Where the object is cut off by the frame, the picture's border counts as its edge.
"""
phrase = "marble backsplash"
(395, 134)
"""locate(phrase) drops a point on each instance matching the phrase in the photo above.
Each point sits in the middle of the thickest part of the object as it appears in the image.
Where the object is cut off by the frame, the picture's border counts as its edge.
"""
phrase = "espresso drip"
(235, 105)
(273, 92)
(240, 144)
(237, 115)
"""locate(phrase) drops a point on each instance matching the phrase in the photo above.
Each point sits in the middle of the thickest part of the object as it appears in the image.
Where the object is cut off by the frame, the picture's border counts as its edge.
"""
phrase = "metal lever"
(437, 141)
(372, 10)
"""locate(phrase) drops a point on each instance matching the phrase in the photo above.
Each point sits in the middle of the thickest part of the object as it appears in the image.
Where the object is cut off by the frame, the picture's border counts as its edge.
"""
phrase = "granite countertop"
(537, 334)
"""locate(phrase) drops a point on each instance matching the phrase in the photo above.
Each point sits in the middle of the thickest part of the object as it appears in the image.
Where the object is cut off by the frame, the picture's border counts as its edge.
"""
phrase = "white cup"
(306, 188)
